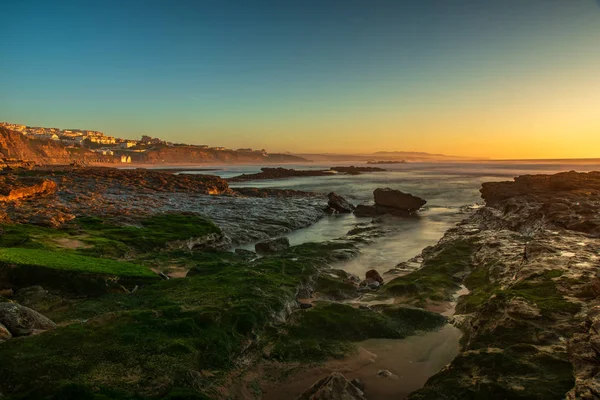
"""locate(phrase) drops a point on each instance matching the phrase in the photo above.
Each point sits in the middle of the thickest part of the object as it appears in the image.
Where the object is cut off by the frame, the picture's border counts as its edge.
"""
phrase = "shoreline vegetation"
(119, 294)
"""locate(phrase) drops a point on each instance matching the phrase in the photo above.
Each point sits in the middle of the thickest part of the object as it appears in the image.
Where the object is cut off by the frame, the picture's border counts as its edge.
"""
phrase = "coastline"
(142, 259)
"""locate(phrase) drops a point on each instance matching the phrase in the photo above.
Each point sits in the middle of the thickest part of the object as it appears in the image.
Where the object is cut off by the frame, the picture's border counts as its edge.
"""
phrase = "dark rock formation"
(396, 200)
(280, 173)
(390, 201)
(352, 170)
(339, 204)
(273, 245)
(23, 321)
(333, 387)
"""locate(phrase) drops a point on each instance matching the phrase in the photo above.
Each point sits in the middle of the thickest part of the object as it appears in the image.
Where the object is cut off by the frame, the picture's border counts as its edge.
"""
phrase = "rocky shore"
(50, 196)
(530, 321)
(116, 284)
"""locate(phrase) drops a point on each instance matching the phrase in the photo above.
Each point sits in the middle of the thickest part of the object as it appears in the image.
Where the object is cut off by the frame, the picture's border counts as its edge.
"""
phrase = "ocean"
(449, 188)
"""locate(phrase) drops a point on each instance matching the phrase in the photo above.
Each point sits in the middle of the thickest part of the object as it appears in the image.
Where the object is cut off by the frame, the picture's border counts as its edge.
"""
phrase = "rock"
(389, 200)
(358, 383)
(363, 210)
(333, 387)
(352, 170)
(273, 245)
(4, 333)
(374, 275)
(31, 295)
(339, 204)
(51, 219)
(22, 321)
(13, 189)
(520, 308)
(211, 241)
(369, 284)
(384, 373)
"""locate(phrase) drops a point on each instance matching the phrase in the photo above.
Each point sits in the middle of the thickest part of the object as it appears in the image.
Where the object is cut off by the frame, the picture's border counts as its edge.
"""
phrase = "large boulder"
(23, 321)
(339, 204)
(333, 387)
(390, 200)
(273, 245)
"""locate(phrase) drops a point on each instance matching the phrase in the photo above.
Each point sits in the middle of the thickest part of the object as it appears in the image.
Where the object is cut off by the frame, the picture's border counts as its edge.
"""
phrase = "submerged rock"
(334, 387)
(272, 246)
(339, 204)
(23, 321)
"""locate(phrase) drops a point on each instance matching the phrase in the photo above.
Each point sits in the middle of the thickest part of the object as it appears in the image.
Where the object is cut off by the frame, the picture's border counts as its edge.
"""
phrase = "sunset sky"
(499, 79)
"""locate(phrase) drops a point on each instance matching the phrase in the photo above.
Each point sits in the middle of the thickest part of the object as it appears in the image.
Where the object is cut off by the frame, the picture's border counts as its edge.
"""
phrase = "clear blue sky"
(307, 75)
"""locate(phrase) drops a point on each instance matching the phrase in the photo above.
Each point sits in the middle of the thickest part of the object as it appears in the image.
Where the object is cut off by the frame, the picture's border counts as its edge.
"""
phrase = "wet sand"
(411, 361)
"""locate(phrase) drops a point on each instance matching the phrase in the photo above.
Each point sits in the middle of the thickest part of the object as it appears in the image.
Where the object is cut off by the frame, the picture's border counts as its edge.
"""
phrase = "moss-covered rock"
(144, 344)
(439, 277)
(518, 372)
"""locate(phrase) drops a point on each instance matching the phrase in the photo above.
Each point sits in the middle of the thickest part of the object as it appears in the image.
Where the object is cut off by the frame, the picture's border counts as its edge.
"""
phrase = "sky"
(483, 78)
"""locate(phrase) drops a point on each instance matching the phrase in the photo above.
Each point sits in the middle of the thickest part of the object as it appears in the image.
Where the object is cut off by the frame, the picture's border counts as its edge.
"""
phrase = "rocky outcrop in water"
(280, 173)
(392, 202)
(530, 260)
(339, 204)
(390, 199)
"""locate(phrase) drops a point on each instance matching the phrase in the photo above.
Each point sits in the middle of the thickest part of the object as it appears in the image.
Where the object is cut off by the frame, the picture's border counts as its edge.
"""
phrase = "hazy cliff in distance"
(386, 155)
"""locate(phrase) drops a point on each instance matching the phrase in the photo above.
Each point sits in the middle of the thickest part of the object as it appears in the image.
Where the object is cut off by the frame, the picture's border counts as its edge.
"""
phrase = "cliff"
(15, 145)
